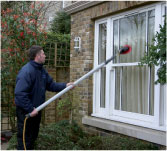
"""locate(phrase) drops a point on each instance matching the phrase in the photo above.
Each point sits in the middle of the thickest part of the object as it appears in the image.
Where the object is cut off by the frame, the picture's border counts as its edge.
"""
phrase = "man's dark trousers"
(31, 132)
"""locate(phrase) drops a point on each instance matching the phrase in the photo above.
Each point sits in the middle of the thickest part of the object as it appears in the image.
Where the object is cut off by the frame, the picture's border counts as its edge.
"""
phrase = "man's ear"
(36, 57)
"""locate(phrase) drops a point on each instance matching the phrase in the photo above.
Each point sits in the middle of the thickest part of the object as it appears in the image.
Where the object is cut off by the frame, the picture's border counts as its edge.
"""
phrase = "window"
(133, 84)
(123, 91)
(101, 76)
(101, 59)
(50, 19)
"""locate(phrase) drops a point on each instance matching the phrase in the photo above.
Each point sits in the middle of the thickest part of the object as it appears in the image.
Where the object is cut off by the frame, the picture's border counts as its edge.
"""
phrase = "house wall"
(52, 8)
(82, 25)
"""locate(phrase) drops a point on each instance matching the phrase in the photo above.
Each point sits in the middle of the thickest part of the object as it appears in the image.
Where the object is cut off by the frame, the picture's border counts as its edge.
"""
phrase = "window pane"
(151, 20)
(132, 31)
(102, 42)
(117, 87)
(133, 89)
(102, 87)
(151, 97)
(102, 58)
(116, 39)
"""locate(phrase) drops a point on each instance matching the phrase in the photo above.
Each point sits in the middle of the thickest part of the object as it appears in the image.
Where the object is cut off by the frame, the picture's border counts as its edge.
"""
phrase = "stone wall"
(82, 25)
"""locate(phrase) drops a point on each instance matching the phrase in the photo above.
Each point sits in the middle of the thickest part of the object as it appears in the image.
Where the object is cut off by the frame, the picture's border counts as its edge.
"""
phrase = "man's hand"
(34, 113)
(71, 83)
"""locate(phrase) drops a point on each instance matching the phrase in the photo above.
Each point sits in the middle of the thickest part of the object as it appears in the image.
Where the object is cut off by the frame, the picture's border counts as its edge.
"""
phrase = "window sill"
(154, 136)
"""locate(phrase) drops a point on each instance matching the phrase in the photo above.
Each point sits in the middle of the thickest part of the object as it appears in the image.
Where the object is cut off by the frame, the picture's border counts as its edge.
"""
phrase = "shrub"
(13, 142)
(61, 23)
(66, 136)
(20, 29)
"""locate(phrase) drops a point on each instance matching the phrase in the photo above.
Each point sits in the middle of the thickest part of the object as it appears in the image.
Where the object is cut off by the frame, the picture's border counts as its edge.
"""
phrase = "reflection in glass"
(102, 58)
(132, 31)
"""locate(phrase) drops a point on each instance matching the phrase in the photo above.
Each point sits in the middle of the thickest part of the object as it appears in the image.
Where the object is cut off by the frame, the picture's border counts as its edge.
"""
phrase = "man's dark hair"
(33, 51)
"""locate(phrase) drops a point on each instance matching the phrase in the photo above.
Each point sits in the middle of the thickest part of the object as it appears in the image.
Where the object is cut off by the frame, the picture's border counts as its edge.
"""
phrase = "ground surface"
(5, 137)
(4, 146)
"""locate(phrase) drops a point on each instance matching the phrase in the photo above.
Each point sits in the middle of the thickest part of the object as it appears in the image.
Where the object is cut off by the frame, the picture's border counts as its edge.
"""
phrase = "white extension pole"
(74, 84)
(126, 49)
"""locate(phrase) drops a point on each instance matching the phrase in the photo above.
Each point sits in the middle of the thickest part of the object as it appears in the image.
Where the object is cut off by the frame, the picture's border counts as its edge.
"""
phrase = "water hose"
(24, 130)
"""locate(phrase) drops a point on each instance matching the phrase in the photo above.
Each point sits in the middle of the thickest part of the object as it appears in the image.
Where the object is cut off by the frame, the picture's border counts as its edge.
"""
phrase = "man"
(31, 83)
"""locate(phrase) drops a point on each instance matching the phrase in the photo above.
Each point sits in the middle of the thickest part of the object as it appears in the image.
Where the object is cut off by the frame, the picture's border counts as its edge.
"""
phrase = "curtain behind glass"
(132, 83)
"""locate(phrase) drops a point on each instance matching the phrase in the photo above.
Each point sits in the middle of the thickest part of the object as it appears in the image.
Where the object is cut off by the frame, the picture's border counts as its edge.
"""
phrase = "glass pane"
(117, 87)
(132, 31)
(165, 10)
(151, 98)
(102, 42)
(102, 87)
(102, 58)
(133, 89)
(151, 22)
(116, 39)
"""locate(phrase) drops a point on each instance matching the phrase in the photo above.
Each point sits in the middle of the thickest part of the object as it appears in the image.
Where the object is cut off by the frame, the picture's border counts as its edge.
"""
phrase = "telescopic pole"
(122, 51)
(71, 86)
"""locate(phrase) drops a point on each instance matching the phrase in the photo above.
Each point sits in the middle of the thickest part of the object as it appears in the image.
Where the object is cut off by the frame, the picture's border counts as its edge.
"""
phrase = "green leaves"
(19, 31)
(22, 17)
(61, 23)
(66, 136)
(157, 54)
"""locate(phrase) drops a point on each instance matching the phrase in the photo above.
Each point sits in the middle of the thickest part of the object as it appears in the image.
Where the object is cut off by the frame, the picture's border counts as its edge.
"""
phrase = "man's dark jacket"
(31, 84)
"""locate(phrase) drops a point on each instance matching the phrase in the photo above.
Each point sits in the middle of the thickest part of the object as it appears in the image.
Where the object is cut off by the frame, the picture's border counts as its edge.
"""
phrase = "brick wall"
(50, 113)
(82, 25)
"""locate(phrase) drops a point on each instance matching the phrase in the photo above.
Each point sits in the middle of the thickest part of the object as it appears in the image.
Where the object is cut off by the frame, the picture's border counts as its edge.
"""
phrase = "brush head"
(124, 50)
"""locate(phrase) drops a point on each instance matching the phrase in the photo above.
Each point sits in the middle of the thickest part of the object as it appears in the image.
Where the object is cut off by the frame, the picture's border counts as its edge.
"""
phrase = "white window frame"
(109, 112)
(163, 119)
(97, 76)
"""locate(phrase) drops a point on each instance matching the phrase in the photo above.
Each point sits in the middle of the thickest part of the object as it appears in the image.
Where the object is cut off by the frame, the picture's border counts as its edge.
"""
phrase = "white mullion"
(95, 75)
(112, 75)
(163, 120)
(120, 106)
(98, 95)
(157, 86)
(108, 55)
(125, 64)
